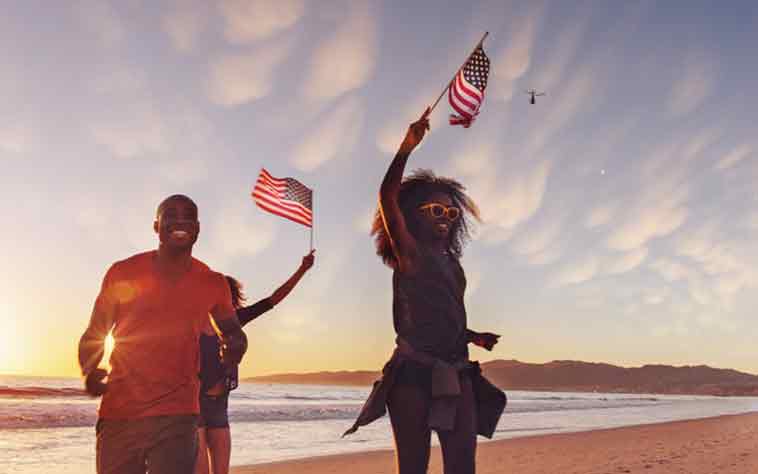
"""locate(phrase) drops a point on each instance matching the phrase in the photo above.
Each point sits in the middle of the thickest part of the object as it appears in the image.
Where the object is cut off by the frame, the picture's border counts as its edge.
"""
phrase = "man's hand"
(308, 261)
(93, 383)
(486, 340)
(233, 348)
(415, 133)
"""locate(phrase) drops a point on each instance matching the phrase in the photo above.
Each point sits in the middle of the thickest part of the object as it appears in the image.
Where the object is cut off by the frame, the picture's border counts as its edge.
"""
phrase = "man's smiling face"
(177, 225)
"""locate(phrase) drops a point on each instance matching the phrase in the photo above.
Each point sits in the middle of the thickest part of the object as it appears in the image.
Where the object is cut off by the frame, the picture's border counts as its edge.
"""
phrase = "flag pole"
(313, 215)
(456, 71)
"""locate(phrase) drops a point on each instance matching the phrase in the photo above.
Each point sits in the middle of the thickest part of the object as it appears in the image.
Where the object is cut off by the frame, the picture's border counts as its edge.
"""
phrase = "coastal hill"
(575, 376)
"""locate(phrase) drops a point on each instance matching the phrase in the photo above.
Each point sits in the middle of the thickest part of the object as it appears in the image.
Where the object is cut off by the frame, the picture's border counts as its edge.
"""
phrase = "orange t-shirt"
(156, 326)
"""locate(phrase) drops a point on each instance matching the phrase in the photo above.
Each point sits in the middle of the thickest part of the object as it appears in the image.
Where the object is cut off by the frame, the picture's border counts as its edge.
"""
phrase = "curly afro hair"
(415, 189)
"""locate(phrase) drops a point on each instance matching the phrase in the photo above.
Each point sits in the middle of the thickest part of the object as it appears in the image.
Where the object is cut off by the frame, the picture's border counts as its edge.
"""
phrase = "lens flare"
(110, 344)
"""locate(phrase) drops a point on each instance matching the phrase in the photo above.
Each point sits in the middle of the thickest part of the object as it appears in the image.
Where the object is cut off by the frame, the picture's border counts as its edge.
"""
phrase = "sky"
(619, 212)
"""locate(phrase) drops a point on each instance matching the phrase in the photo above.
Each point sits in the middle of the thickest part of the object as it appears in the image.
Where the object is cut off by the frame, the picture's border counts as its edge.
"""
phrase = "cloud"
(116, 79)
(184, 25)
(392, 133)
(732, 158)
(567, 103)
(183, 171)
(669, 269)
(515, 58)
(692, 87)
(138, 130)
(513, 201)
(237, 231)
(655, 296)
(297, 322)
(346, 59)
(645, 224)
(247, 21)
(658, 211)
(565, 49)
(335, 136)
(362, 223)
(626, 262)
(101, 20)
(236, 79)
(16, 139)
(600, 216)
(538, 243)
(575, 273)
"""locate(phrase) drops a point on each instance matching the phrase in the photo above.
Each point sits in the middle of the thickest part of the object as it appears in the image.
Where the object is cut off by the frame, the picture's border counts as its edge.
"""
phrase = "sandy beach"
(725, 444)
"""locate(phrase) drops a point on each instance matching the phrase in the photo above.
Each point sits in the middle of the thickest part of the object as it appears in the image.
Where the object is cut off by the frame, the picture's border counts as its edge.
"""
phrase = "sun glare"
(110, 343)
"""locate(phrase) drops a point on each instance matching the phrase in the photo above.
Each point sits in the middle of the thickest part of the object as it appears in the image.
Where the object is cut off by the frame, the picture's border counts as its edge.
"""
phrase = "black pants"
(408, 406)
(158, 444)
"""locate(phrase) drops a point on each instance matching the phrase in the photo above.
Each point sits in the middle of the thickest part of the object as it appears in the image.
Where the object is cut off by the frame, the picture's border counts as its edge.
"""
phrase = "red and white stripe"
(465, 99)
(269, 193)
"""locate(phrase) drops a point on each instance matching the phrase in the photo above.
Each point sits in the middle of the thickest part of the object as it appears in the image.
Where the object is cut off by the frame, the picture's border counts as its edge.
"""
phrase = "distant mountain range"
(573, 376)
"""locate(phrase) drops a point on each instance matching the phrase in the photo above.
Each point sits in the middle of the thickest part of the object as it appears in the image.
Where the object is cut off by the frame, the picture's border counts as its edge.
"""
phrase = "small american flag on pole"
(466, 91)
(285, 197)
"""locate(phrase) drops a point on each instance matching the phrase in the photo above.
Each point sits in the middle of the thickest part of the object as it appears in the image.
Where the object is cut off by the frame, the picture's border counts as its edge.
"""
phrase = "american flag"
(285, 197)
(466, 91)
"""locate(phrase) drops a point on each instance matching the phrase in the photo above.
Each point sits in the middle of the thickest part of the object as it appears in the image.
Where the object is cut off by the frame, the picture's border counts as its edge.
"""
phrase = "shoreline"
(723, 444)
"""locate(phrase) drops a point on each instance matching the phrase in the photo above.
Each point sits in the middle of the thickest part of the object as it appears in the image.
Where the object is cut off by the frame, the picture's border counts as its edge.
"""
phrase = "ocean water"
(47, 425)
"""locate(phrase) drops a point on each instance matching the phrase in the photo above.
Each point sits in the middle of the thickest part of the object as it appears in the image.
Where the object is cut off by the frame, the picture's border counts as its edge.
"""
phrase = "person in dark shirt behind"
(217, 381)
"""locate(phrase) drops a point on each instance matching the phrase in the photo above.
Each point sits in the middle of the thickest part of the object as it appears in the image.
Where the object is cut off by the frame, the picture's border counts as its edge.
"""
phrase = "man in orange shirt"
(157, 304)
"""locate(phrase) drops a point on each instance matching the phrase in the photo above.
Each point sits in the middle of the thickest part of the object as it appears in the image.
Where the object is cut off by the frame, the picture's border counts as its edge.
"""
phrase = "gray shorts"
(162, 444)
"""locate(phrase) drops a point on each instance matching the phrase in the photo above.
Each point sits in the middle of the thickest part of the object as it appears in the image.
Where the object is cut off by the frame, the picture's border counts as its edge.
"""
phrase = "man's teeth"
(179, 233)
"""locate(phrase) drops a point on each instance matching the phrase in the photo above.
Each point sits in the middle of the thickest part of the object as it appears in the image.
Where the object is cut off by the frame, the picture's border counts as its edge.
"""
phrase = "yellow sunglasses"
(438, 210)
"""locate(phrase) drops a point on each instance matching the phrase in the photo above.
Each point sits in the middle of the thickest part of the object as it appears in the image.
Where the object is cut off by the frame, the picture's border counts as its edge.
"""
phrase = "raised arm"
(403, 243)
(248, 313)
(92, 342)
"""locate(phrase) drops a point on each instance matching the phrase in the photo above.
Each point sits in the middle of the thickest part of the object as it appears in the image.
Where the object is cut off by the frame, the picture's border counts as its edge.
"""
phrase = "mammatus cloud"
(539, 243)
(599, 216)
(575, 273)
(236, 79)
(669, 269)
(692, 87)
(734, 157)
(516, 200)
(392, 133)
(15, 139)
(237, 232)
(247, 21)
(138, 130)
(180, 139)
(514, 60)
(567, 104)
(346, 59)
(655, 211)
(333, 137)
(565, 49)
(101, 20)
(646, 223)
(626, 262)
(184, 25)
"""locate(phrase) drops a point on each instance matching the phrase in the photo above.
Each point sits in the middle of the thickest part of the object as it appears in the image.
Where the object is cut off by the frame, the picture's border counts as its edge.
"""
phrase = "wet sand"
(725, 444)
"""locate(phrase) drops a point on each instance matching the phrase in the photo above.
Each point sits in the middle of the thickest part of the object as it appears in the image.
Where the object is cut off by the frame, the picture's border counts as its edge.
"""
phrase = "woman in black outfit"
(217, 380)
(420, 228)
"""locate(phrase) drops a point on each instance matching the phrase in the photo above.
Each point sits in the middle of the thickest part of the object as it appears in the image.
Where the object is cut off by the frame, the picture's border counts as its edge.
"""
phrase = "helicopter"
(534, 94)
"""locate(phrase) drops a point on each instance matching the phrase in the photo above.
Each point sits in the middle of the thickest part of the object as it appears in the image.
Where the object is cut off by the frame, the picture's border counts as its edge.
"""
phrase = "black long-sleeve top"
(211, 369)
